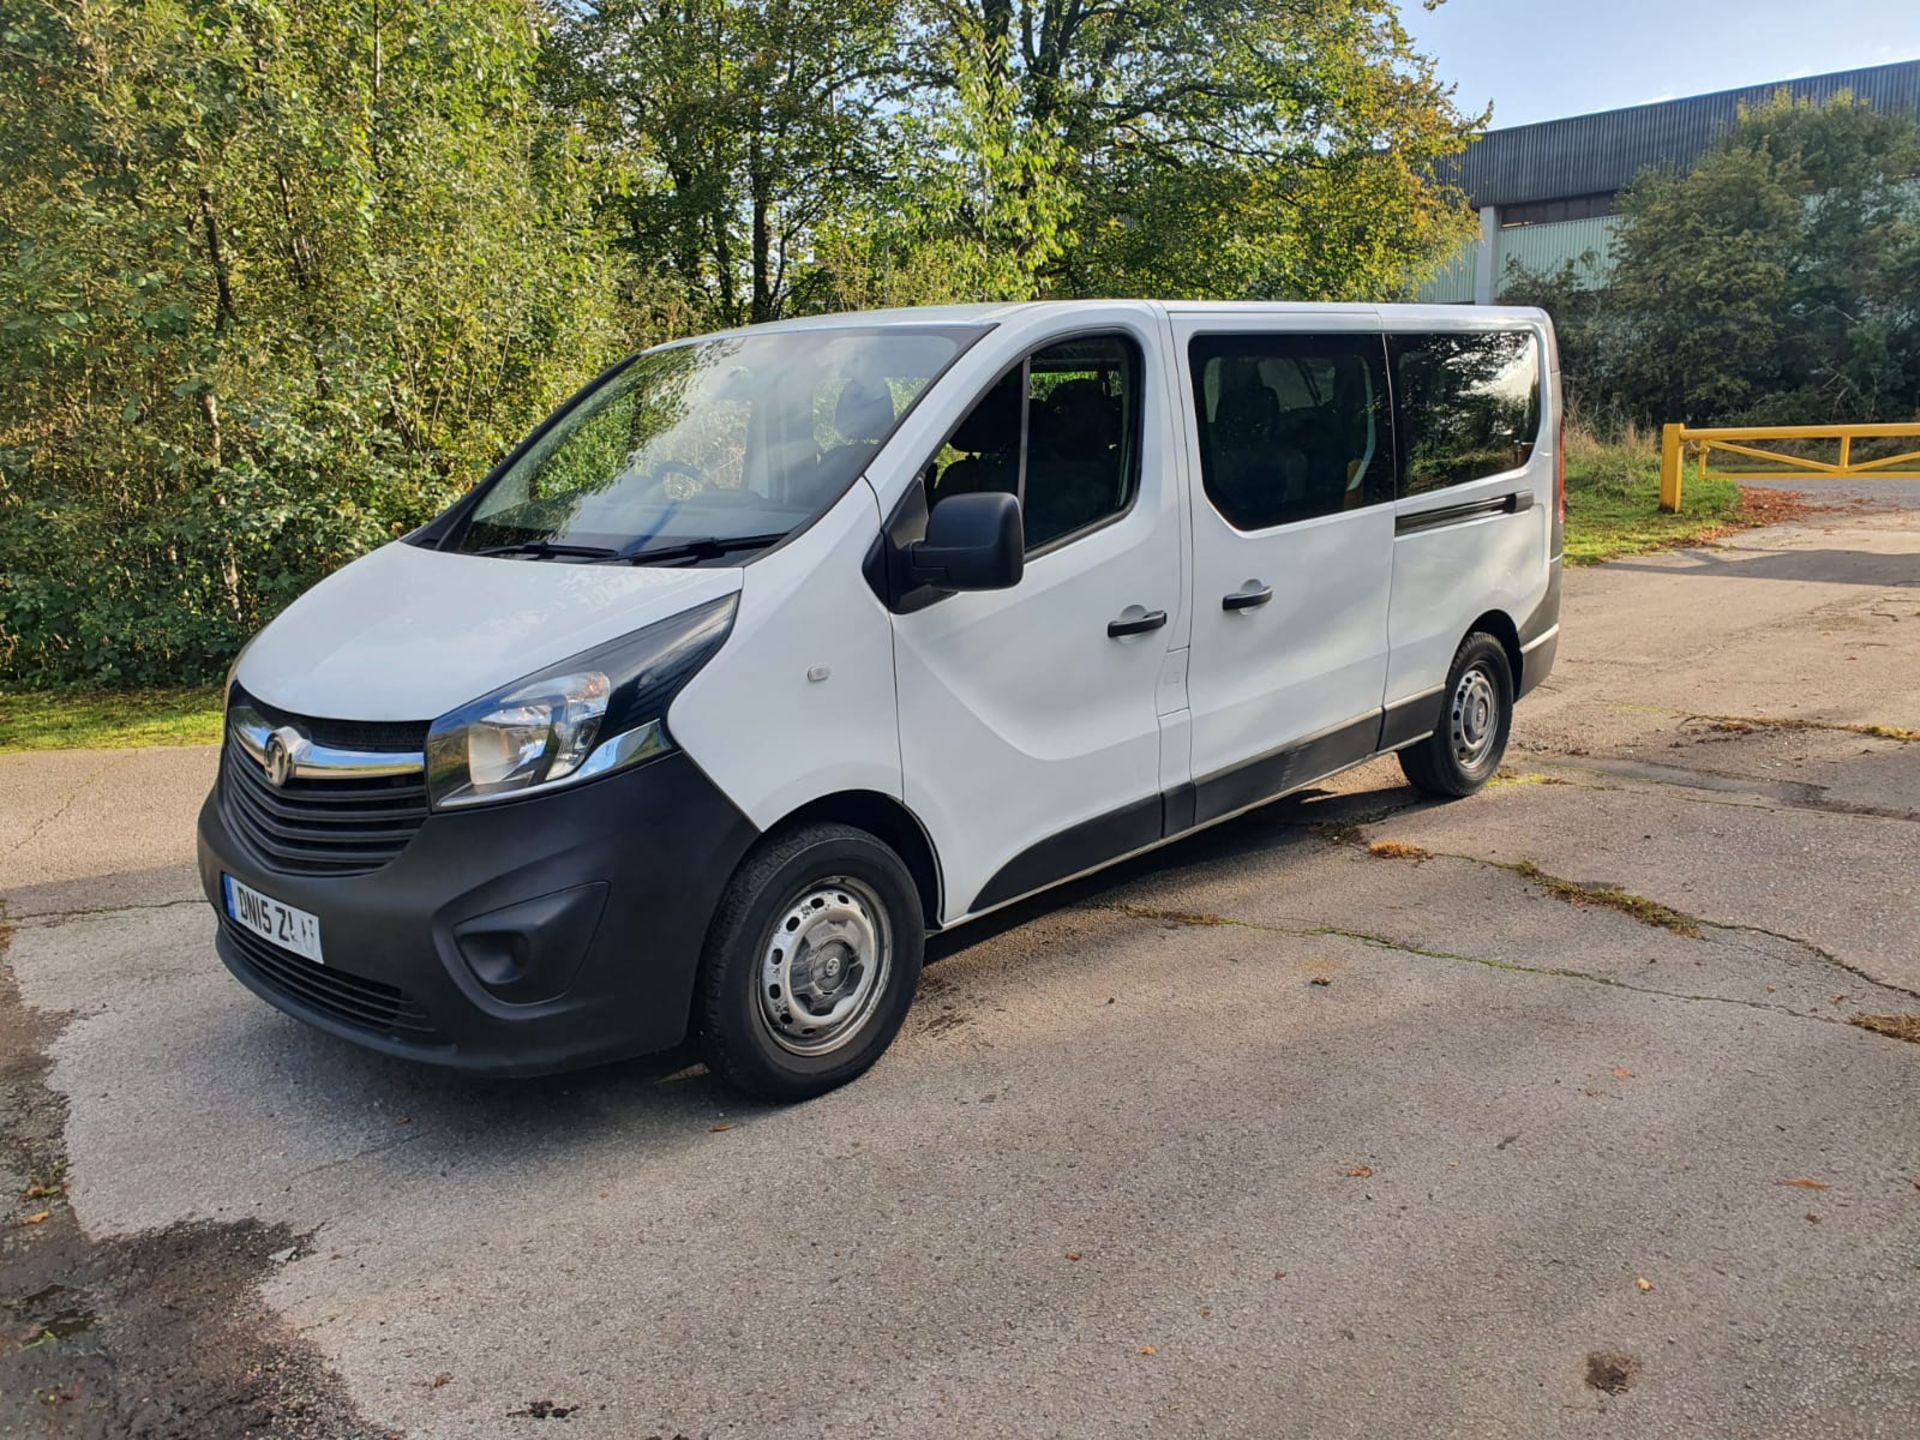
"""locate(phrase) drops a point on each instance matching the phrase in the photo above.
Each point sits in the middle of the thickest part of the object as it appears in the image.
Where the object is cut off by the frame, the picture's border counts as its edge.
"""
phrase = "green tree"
(750, 124)
(278, 278)
(1223, 148)
(1774, 282)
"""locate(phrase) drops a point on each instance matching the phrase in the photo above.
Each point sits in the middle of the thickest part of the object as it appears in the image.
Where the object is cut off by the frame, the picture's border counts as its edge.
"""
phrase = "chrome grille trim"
(322, 762)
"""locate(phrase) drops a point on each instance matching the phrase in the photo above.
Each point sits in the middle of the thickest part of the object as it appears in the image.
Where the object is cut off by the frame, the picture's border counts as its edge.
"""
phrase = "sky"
(1542, 59)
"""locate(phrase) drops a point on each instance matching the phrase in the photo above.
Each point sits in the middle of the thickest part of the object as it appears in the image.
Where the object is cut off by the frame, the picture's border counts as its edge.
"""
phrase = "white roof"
(1465, 317)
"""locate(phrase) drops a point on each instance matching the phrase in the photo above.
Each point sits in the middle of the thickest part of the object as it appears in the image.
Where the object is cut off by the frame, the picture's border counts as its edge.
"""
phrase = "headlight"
(597, 712)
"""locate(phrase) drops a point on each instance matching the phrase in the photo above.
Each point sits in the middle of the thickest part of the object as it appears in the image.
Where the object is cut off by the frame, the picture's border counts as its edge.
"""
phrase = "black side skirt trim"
(1085, 846)
(1412, 720)
(1273, 775)
(1093, 843)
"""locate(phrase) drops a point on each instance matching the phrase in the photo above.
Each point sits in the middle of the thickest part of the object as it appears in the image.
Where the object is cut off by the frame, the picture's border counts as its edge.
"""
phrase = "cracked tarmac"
(1265, 1134)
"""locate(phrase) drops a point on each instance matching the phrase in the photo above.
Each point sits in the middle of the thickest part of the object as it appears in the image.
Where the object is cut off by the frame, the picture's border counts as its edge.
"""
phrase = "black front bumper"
(584, 909)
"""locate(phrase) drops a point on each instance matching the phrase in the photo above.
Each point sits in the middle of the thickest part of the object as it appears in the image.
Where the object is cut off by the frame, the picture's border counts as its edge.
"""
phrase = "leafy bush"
(279, 280)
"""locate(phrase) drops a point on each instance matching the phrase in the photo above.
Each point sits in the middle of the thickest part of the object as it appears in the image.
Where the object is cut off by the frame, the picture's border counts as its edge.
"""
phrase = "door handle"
(1250, 598)
(1136, 624)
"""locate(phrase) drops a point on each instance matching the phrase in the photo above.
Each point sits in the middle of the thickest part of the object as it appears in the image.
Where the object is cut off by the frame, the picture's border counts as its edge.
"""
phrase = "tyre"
(1462, 755)
(811, 964)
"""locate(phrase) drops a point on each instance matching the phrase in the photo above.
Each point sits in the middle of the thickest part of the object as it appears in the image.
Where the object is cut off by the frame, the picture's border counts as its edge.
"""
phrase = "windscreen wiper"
(547, 550)
(707, 548)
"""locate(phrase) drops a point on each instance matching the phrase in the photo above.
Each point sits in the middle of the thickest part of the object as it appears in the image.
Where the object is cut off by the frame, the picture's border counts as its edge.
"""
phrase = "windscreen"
(710, 449)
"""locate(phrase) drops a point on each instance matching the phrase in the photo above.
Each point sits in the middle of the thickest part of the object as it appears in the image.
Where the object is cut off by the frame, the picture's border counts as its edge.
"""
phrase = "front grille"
(405, 736)
(351, 999)
(320, 827)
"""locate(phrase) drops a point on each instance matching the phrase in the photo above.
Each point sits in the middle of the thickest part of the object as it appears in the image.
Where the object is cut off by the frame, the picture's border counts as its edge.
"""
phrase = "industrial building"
(1546, 192)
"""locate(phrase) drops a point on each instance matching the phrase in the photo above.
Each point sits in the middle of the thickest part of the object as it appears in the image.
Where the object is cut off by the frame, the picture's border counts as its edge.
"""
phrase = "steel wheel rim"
(824, 966)
(1475, 718)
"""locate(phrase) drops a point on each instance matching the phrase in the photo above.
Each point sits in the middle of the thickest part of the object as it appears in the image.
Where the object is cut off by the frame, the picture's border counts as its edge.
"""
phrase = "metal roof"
(1597, 154)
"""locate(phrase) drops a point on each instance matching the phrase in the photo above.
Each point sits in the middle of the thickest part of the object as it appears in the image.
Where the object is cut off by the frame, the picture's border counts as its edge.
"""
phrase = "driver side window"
(1061, 431)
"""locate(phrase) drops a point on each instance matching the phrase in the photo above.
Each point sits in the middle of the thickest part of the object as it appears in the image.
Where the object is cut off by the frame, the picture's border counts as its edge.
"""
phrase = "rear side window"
(1469, 405)
(1061, 431)
(1291, 426)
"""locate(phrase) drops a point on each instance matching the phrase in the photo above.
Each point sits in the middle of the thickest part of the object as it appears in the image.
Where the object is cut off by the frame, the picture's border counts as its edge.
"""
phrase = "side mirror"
(974, 542)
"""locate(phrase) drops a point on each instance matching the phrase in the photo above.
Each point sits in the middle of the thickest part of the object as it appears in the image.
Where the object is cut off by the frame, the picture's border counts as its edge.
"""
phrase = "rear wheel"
(811, 964)
(1462, 755)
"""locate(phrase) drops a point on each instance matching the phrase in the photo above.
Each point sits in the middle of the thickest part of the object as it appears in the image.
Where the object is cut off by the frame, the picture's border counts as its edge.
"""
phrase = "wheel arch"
(1499, 624)
(885, 818)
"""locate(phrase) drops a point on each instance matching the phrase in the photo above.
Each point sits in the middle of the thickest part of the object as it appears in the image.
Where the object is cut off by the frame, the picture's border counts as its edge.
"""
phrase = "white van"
(775, 650)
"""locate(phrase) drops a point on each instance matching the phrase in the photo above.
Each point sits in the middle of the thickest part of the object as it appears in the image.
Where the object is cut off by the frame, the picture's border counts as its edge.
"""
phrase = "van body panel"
(1446, 576)
(1485, 546)
(1024, 726)
(1020, 718)
(408, 633)
(800, 703)
(1312, 660)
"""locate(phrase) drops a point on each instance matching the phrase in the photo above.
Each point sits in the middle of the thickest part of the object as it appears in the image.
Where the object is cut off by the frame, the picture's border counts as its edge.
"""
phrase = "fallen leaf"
(37, 1217)
(1620, 1072)
(1360, 1172)
(445, 1377)
(1397, 850)
(1813, 1217)
(1281, 1274)
(1803, 1183)
(716, 1129)
(1073, 1255)
(1643, 1286)
(1320, 980)
(1148, 1350)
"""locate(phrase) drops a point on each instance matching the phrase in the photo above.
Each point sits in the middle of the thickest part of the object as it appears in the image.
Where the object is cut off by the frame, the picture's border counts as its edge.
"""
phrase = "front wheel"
(811, 964)
(1461, 756)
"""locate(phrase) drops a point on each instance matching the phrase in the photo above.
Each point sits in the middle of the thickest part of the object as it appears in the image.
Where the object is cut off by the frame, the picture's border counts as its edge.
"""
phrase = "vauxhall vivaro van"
(775, 650)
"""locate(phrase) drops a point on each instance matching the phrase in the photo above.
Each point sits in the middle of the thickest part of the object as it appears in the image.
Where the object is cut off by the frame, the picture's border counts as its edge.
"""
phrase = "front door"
(1030, 718)
(1292, 458)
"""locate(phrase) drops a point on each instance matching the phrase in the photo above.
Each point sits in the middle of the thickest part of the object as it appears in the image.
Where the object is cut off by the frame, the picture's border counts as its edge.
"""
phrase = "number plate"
(270, 919)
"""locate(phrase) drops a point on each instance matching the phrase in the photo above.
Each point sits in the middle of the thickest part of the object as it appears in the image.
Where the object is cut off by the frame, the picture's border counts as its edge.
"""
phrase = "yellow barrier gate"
(1676, 440)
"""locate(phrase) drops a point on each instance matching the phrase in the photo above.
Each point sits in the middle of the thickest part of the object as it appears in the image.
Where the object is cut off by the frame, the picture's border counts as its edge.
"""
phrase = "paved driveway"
(1537, 1114)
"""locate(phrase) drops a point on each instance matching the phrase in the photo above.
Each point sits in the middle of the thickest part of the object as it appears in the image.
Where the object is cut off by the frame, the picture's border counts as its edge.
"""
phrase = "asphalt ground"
(1541, 1113)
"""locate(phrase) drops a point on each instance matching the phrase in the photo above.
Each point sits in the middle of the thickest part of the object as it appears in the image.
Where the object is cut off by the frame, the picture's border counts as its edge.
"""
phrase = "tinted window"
(1291, 426)
(1469, 405)
(1061, 431)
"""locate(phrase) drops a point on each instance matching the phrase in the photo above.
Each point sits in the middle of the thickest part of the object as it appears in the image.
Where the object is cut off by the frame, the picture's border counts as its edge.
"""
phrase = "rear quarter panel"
(1445, 579)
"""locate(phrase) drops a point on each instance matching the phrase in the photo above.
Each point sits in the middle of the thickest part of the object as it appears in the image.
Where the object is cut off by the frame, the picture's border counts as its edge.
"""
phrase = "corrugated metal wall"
(1543, 248)
(1597, 154)
(1600, 154)
(1453, 285)
(1546, 248)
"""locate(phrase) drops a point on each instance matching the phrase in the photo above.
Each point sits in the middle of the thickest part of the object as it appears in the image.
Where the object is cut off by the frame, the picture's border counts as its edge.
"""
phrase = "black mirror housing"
(974, 542)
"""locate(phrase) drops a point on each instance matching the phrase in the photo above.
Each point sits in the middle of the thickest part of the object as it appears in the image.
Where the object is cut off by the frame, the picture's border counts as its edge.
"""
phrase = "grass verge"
(107, 719)
(1613, 502)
